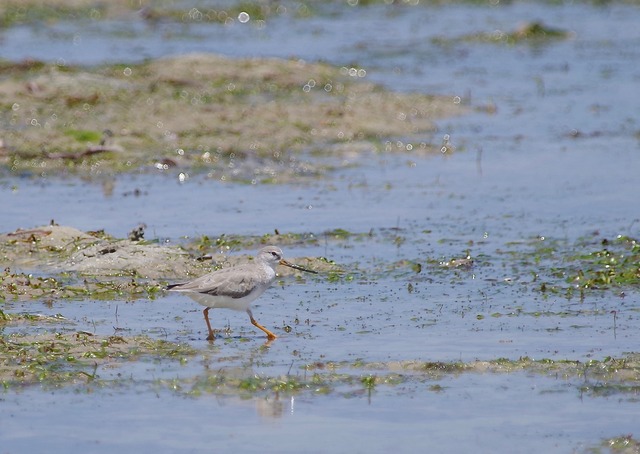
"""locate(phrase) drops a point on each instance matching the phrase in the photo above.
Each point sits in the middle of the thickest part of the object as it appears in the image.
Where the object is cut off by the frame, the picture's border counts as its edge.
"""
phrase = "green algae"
(613, 264)
(530, 33)
(18, 12)
(72, 264)
(243, 120)
(541, 260)
(624, 444)
(590, 264)
(611, 376)
(74, 359)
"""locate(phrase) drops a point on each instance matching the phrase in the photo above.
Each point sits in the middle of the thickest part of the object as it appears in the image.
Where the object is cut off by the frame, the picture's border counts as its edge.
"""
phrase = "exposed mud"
(94, 264)
(255, 119)
(488, 295)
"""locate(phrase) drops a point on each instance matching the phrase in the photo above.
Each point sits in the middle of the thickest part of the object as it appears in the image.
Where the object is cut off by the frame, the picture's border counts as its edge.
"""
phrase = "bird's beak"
(296, 267)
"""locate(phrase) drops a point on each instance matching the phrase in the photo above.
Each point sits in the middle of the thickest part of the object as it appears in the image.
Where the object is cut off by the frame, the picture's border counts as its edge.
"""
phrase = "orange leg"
(269, 334)
(206, 319)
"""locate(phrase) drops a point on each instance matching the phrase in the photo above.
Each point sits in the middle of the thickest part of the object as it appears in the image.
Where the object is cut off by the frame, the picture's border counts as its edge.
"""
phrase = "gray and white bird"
(237, 287)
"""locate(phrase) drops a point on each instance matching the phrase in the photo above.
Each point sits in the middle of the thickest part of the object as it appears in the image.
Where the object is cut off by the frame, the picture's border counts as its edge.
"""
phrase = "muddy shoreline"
(479, 263)
(266, 120)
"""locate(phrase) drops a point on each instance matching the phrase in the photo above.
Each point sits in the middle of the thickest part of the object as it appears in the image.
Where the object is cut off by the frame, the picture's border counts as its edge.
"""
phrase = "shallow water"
(557, 159)
(549, 193)
(361, 423)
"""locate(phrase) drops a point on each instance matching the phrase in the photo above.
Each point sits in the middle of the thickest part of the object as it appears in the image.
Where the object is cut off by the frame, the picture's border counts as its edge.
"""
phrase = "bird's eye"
(274, 253)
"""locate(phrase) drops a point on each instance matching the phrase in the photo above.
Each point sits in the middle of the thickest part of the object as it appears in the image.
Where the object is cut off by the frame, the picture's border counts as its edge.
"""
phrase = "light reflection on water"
(381, 422)
(548, 193)
(558, 158)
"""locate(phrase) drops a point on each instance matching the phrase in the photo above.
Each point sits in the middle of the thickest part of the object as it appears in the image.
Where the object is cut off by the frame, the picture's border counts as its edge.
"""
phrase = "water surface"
(557, 159)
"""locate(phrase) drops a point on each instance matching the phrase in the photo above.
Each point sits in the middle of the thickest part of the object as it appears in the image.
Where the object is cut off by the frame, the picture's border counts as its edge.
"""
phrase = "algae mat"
(235, 119)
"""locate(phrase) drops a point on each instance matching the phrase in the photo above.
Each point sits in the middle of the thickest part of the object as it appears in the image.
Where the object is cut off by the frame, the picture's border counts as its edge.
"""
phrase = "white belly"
(226, 302)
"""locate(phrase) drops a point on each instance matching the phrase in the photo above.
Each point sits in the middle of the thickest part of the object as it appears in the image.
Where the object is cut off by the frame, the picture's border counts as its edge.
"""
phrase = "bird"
(237, 287)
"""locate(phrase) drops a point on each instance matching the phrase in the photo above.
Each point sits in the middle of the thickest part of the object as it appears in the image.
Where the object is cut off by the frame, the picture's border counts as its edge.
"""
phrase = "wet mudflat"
(479, 298)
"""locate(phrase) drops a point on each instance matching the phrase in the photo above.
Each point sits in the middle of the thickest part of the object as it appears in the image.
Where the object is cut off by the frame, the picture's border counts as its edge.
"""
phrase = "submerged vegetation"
(274, 121)
(78, 358)
(60, 357)
(624, 444)
(533, 33)
(592, 264)
(95, 265)
(612, 264)
(256, 12)
(611, 376)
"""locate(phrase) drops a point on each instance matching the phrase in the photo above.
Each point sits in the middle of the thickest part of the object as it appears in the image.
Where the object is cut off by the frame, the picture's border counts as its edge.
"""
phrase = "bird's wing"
(228, 282)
